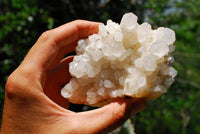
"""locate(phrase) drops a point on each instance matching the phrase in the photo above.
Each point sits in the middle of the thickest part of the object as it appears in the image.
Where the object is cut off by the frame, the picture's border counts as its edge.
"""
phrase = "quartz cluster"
(126, 59)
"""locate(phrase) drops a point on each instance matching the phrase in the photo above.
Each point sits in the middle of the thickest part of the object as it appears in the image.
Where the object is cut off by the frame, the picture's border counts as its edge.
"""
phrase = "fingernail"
(138, 106)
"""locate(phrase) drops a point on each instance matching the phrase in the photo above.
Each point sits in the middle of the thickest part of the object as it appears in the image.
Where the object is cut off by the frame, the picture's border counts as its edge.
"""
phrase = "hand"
(33, 104)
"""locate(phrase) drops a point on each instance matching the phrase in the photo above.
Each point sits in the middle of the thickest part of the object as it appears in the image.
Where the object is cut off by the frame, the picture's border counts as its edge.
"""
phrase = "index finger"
(48, 50)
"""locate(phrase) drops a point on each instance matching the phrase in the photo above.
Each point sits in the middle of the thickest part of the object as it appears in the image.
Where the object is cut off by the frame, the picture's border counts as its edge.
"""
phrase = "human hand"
(33, 103)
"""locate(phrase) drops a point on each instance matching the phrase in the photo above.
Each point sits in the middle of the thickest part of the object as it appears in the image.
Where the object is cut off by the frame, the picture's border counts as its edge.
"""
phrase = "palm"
(55, 79)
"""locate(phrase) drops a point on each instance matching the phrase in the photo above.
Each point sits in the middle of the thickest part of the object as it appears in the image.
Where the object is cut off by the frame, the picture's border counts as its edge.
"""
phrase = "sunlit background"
(176, 112)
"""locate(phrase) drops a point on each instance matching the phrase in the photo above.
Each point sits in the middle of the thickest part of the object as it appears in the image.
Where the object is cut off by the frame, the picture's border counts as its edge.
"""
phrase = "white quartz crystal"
(122, 60)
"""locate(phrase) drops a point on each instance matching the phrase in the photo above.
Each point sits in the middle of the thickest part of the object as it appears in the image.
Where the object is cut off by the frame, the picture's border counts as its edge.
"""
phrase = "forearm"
(15, 119)
(23, 115)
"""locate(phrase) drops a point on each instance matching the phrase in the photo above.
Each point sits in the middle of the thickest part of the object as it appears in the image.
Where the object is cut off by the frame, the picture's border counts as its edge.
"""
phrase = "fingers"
(109, 117)
(57, 42)
(56, 78)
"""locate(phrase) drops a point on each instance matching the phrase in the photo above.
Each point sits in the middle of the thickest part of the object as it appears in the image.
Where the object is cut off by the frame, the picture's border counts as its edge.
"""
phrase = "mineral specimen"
(122, 60)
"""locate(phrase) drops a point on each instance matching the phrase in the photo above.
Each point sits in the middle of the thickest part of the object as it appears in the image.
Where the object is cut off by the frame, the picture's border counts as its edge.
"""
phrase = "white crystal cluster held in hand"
(122, 60)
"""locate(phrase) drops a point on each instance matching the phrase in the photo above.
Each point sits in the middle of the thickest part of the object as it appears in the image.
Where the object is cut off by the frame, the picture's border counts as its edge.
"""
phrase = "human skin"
(33, 103)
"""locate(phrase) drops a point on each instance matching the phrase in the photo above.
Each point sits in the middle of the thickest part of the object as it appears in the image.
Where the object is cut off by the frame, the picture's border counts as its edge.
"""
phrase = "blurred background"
(177, 111)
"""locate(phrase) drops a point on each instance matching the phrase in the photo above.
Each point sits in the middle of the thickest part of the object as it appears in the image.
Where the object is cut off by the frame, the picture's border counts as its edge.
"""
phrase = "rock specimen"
(122, 60)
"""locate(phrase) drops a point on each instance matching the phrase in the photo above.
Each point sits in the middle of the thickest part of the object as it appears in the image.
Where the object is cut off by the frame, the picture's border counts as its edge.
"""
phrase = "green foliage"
(22, 22)
(126, 128)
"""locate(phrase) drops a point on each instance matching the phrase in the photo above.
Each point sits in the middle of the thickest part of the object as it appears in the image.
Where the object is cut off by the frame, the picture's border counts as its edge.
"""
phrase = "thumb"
(109, 117)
